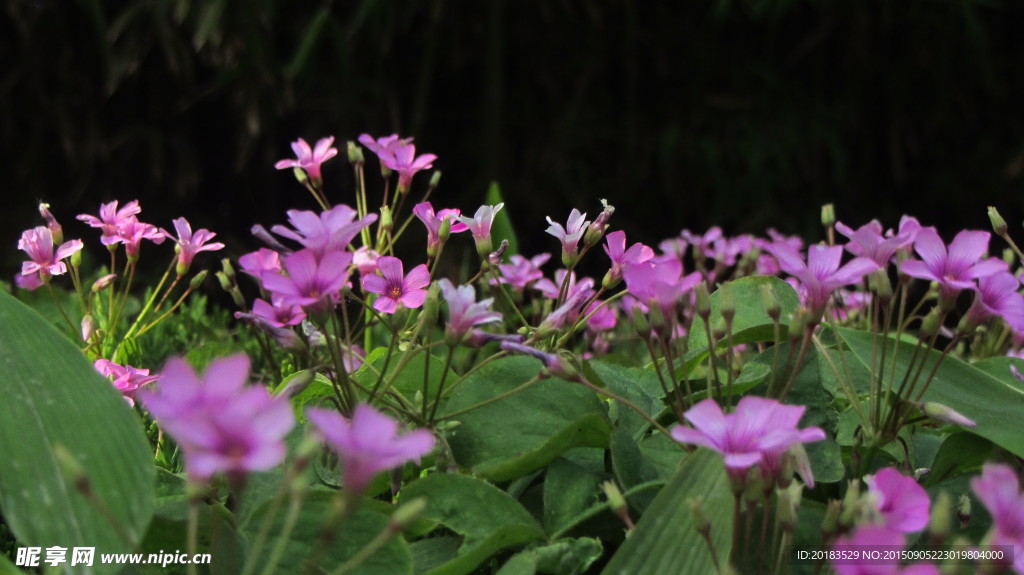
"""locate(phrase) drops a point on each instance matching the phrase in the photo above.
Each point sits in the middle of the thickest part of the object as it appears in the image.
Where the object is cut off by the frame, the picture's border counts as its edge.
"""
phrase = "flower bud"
(494, 258)
(998, 223)
(197, 280)
(103, 283)
(728, 304)
(229, 270)
(355, 154)
(599, 226)
(88, 328)
(435, 180)
(76, 259)
(879, 283)
(222, 279)
(830, 523)
(643, 327)
(387, 221)
(700, 518)
(703, 301)
(963, 510)
(770, 302)
(850, 505)
(51, 222)
(940, 523)
(788, 505)
(828, 215)
(617, 502)
(945, 414)
(301, 176)
(431, 308)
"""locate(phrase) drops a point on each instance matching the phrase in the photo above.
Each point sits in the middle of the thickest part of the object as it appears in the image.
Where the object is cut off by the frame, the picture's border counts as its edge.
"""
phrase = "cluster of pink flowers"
(126, 379)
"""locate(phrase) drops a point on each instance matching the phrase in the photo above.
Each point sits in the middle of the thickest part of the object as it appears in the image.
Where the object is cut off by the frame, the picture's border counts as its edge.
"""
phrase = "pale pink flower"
(954, 269)
(521, 272)
(425, 212)
(570, 235)
(314, 285)
(111, 220)
(190, 244)
(821, 274)
(480, 226)
(396, 288)
(368, 443)
(329, 231)
(903, 504)
(310, 159)
(260, 262)
(221, 425)
(464, 311)
(615, 247)
(44, 262)
(403, 159)
(126, 379)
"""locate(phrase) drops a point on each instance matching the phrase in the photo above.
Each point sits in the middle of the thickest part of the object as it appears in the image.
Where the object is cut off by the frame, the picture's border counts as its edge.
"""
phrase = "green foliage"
(55, 402)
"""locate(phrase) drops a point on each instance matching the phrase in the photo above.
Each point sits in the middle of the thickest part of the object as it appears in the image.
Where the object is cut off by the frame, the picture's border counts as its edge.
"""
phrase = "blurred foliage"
(742, 113)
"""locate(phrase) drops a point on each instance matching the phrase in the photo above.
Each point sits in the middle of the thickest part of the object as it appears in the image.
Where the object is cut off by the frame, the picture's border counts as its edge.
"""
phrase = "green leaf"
(52, 396)
(569, 489)
(563, 557)
(488, 519)
(751, 322)
(524, 431)
(993, 404)
(354, 533)
(501, 228)
(408, 378)
(960, 453)
(638, 385)
(632, 468)
(666, 540)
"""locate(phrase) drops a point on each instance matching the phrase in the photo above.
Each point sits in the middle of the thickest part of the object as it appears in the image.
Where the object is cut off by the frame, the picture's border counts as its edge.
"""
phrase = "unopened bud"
(76, 259)
(408, 512)
(702, 305)
(940, 524)
(945, 414)
(830, 523)
(879, 283)
(727, 304)
(197, 280)
(56, 232)
(963, 510)
(998, 223)
(431, 308)
(930, 324)
(494, 258)
(229, 270)
(799, 324)
(828, 215)
(435, 180)
(222, 279)
(643, 327)
(301, 176)
(617, 502)
(788, 505)
(599, 226)
(850, 504)
(770, 302)
(355, 154)
(103, 283)
(387, 221)
(700, 518)
(71, 469)
(88, 328)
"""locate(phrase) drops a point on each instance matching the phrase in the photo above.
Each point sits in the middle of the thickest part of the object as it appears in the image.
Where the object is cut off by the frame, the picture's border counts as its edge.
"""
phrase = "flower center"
(395, 292)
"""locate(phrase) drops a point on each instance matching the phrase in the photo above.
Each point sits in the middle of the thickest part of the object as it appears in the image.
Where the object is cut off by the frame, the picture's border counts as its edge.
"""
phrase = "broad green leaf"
(632, 468)
(354, 533)
(501, 228)
(665, 539)
(569, 489)
(433, 552)
(638, 385)
(751, 322)
(563, 557)
(960, 453)
(999, 368)
(408, 370)
(526, 430)
(826, 459)
(993, 404)
(488, 519)
(53, 396)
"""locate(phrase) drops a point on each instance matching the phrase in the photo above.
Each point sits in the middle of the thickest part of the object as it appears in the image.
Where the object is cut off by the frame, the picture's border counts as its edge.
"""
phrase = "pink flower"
(998, 487)
(480, 226)
(758, 432)
(190, 244)
(111, 220)
(368, 443)
(997, 295)
(570, 235)
(660, 281)
(425, 212)
(954, 269)
(821, 275)
(394, 287)
(221, 425)
(329, 231)
(261, 261)
(132, 232)
(44, 263)
(383, 146)
(403, 160)
(365, 260)
(314, 285)
(126, 379)
(310, 160)
(277, 314)
(903, 503)
(621, 257)
(464, 311)
(867, 240)
(520, 272)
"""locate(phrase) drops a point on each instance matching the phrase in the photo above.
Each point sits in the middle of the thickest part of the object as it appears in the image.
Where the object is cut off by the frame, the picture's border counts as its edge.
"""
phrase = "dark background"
(746, 114)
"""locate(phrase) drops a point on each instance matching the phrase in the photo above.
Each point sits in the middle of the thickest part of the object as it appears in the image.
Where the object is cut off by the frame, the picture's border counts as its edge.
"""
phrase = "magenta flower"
(394, 287)
(126, 379)
(44, 263)
(621, 257)
(758, 432)
(821, 275)
(310, 159)
(570, 235)
(385, 146)
(111, 220)
(868, 241)
(480, 226)
(190, 244)
(998, 488)
(132, 232)
(850, 560)
(425, 212)
(221, 425)
(332, 230)
(997, 295)
(260, 262)
(660, 281)
(552, 289)
(368, 443)
(954, 269)
(365, 260)
(314, 285)
(464, 312)
(403, 160)
(520, 272)
(903, 503)
(277, 314)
